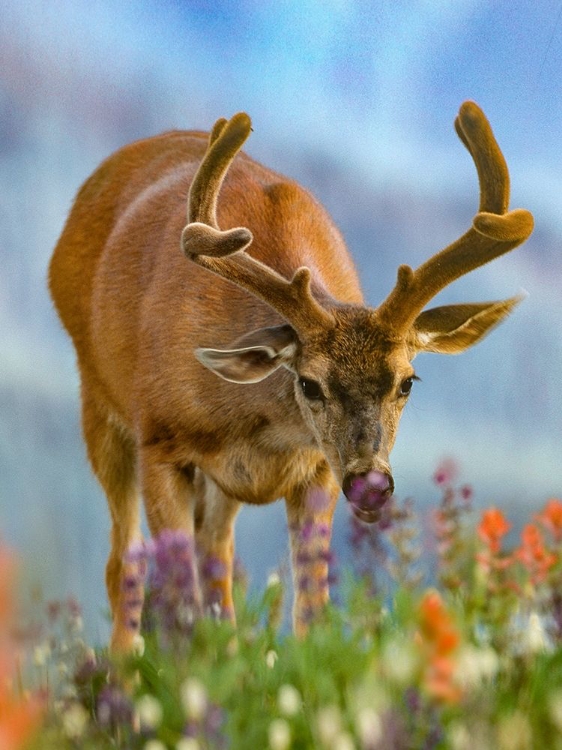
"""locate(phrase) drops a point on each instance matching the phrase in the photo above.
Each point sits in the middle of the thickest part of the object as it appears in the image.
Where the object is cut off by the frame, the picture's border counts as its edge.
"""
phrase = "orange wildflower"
(438, 639)
(19, 718)
(551, 518)
(492, 528)
(533, 554)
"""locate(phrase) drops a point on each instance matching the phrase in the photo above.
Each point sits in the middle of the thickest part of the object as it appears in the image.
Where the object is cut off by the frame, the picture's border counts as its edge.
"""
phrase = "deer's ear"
(252, 357)
(453, 328)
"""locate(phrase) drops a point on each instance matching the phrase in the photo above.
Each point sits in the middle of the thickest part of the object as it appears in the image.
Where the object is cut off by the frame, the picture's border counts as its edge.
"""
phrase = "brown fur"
(196, 446)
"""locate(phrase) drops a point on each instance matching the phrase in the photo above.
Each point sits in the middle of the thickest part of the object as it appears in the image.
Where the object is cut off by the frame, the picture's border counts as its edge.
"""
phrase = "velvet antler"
(494, 231)
(223, 252)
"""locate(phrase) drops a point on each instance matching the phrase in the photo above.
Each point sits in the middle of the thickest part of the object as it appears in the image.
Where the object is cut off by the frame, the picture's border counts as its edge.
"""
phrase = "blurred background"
(354, 99)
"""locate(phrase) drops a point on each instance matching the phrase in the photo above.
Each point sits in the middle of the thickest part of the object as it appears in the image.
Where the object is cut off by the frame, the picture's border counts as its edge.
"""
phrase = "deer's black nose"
(367, 493)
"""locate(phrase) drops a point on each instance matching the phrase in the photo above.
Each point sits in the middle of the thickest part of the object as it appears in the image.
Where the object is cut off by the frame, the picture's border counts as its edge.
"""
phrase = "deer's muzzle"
(367, 493)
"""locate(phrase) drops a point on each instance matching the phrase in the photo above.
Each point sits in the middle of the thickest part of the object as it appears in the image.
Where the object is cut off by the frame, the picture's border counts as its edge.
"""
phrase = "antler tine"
(222, 251)
(494, 230)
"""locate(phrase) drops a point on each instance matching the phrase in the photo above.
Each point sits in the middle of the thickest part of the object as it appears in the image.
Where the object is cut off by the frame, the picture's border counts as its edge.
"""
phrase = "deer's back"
(136, 307)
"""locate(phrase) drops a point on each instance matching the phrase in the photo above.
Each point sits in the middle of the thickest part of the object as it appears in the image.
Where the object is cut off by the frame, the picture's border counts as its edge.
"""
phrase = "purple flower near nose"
(368, 493)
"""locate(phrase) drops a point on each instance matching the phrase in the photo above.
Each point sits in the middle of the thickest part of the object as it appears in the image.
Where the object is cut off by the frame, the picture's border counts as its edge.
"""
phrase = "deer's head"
(352, 365)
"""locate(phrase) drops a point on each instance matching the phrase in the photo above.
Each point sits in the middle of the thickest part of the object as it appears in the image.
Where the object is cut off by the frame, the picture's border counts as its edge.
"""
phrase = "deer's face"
(351, 385)
(352, 379)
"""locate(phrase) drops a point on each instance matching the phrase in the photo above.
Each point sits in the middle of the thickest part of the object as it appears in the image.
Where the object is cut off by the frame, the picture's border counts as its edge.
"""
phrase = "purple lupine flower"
(113, 708)
(213, 569)
(136, 561)
(369, 553)
(446, 472)
(313, 538)
(208, 728)
(317, 500)
(172, 583)
(394, 735)
(466, 492)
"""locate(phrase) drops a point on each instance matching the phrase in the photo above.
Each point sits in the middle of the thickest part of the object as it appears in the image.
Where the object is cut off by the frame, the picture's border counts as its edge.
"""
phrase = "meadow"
(461, 651)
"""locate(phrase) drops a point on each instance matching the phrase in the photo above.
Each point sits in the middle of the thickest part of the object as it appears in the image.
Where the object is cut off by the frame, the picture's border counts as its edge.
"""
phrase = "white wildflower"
(138, 645)
(154, 745)
(41, 654)
(289, 700)
(76, 624)
(343, 741)
(369, 726)
(149, 711)
(194, 698)
(74, 721)
(271, 658)
(328, 723)
(69, 691)
(279, 734)
(273, 579)
(459, 737)
(188, 743)
(475, 665)
(399, 661)
(534, 637)
(185, 615)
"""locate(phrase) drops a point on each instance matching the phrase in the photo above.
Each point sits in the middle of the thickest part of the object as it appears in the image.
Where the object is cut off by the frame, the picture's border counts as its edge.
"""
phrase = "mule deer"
(259, 289)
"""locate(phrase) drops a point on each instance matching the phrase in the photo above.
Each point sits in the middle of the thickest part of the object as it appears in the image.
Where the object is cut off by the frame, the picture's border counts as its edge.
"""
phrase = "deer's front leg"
(310, 512)
(216, 513)
(170, 498)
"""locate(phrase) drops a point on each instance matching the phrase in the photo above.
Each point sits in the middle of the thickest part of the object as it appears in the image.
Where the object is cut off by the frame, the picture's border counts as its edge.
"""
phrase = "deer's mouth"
(367, 516)
(368, 493)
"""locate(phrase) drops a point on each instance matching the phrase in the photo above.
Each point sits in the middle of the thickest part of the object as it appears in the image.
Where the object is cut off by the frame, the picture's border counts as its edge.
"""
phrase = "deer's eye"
(406, 386)
(311, 389)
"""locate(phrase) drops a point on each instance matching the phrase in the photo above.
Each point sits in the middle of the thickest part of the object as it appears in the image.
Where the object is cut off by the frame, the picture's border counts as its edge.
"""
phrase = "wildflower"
(271, 658)
(154, 745)
(460, 737)
(534, 636)
(466, 492)
(188, 743)
(534, 555)
(74, 721)
(475, 665)
(446, 472)
(138, 645)
(194, 698)
(399, 661)
(551, 518)
(492, 528)
(279, 734)
(317, 500)
(113, 707)
(41, 654)
(173, 584)
(149, 711)
(19, 717)
(343, 741)
(328, 723)
(273, 580)
(369, 727)
(289, 700)
(439, 641)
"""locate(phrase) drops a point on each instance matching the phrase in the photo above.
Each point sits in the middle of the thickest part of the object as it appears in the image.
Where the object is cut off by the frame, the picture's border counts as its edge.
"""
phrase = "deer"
(226, 354)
